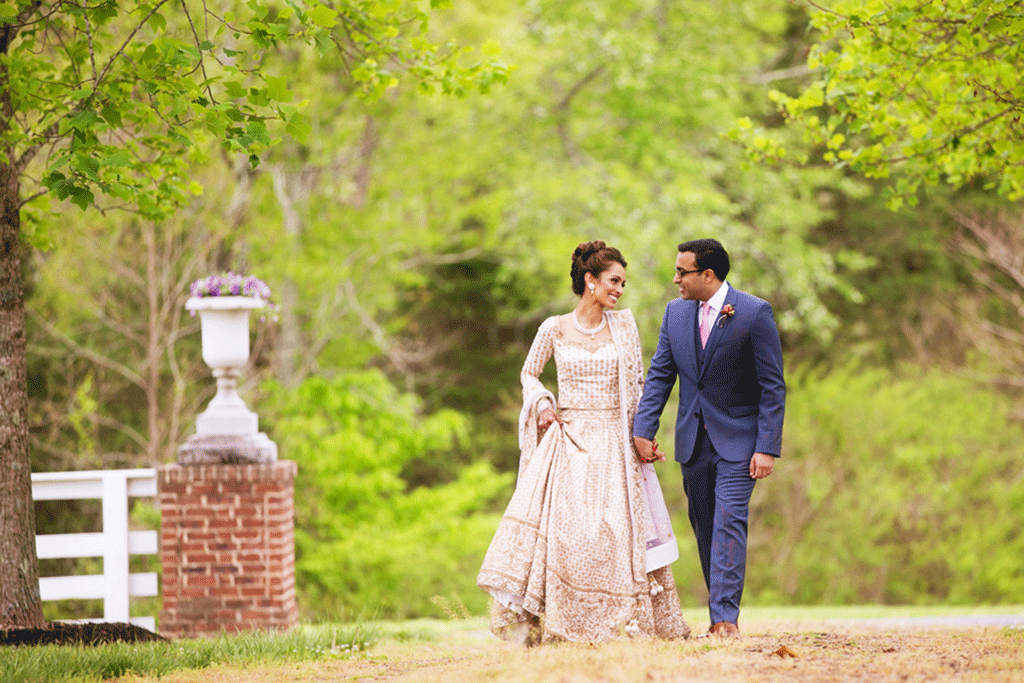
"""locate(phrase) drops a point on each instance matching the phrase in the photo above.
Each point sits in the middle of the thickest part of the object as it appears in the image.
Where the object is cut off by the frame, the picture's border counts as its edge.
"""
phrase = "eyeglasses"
(683, 273)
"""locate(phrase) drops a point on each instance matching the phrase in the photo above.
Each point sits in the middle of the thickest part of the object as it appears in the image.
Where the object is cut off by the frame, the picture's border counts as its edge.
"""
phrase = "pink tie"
(705, 325)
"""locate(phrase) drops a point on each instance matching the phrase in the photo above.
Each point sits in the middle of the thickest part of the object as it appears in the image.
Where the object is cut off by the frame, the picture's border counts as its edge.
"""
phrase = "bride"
(582, 552)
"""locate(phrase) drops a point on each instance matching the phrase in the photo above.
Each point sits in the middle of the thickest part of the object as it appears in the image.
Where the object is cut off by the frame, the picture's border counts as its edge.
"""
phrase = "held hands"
(761, 465)
(647, 450)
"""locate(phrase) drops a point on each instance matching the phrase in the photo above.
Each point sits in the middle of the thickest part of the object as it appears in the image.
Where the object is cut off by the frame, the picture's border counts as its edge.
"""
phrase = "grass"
(463, 650)
(769, 652)
(56, 663)
(433, 630)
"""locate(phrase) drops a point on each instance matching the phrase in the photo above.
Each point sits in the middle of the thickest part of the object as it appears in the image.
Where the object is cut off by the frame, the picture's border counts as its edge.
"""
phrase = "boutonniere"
(727, 312)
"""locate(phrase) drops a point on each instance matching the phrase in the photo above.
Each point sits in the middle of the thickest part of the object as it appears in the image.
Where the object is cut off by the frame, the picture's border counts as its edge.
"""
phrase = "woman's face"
(608, 287)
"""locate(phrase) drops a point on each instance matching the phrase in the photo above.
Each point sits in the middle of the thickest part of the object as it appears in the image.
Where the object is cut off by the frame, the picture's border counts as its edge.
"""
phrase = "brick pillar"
(227, 546)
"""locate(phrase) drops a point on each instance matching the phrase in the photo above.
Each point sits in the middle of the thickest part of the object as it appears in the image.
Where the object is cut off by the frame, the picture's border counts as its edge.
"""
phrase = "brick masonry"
(227, 546)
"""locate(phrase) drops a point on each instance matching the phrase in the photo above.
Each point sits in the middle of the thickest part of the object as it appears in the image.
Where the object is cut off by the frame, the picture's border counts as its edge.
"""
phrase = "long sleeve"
(533, 389)
(540, 352)
(768, 367)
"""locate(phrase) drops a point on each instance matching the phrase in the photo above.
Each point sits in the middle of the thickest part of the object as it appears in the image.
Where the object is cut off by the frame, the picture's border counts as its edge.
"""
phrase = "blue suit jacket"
(739, 388)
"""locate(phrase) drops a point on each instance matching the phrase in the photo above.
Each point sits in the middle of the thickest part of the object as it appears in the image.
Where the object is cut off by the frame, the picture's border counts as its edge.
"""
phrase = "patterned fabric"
(570, 557)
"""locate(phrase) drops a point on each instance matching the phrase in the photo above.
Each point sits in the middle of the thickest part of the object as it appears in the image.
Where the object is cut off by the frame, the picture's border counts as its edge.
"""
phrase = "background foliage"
(927, 92)
(417, 240)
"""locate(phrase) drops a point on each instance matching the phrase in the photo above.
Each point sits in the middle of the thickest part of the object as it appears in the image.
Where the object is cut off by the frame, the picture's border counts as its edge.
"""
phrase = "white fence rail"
(114, 544)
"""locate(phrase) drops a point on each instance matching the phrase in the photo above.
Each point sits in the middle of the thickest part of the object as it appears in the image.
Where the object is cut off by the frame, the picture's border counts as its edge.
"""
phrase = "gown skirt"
(568, 558)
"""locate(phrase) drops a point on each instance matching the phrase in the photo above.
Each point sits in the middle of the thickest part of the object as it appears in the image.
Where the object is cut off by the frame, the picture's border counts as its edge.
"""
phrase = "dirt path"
(796, 652)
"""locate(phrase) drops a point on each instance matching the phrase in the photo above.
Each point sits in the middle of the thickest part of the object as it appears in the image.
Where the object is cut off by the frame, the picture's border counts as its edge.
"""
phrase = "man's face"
(690, 282)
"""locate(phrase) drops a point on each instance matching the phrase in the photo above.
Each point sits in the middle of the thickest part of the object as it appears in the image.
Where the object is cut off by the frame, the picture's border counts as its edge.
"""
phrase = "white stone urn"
(227, 431)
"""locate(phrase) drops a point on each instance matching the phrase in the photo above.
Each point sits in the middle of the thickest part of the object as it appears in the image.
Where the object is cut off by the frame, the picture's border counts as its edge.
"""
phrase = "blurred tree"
(611, 127)
(368, 541)
(930, 94)
(113, 98)
(929, 90)
(992, 246)
(892, 489)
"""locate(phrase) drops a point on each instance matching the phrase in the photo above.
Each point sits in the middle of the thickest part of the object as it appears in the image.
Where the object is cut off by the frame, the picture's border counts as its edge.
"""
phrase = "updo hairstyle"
(592, 257)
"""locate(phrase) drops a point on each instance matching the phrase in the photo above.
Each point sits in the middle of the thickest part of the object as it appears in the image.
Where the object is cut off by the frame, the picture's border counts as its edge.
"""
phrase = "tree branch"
(82, 351)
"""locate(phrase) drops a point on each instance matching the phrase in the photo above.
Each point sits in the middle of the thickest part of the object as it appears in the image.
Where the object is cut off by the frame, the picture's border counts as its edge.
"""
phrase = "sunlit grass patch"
(57, 663)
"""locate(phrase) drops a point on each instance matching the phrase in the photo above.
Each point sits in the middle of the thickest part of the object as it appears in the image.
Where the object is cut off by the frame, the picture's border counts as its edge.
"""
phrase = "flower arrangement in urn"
(227, 431)
(233, 284)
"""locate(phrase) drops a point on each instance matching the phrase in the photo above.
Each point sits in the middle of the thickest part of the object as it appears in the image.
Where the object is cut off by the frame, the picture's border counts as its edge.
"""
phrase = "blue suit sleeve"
(768, 367)
(661, 377)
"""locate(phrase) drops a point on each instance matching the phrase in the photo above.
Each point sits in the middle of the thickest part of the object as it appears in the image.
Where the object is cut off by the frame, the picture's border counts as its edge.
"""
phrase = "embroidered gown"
(582, 552)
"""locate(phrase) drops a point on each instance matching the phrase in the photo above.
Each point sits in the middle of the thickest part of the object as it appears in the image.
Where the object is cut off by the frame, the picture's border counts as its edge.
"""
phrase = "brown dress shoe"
(724, 629)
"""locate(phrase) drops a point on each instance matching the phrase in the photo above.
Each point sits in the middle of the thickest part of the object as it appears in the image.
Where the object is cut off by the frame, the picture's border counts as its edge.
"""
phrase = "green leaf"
(323, 16)
(111, 114)
(150, 54)
(51, 179)
(86, 165)
(234, 89)
(298, 128)
(257, 130)
(84, 120)
(82, 197)
(118, 159)
(277, 88)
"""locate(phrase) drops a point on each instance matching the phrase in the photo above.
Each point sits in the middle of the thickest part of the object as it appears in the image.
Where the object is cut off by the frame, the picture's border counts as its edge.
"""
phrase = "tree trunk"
(20, 606)
(292, 192)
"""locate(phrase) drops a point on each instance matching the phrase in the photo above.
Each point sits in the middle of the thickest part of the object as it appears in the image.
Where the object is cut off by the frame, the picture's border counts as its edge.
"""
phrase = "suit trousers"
(718, 495)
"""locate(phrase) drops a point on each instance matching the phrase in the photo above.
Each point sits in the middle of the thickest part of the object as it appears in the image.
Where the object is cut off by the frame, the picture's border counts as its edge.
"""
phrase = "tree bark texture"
(20, 606)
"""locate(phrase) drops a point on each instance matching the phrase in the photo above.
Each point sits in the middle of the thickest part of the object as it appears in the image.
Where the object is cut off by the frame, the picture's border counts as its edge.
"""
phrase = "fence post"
(115, 555)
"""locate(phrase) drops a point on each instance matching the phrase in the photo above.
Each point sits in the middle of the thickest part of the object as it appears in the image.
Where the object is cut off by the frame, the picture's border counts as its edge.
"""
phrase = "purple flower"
(233, 285)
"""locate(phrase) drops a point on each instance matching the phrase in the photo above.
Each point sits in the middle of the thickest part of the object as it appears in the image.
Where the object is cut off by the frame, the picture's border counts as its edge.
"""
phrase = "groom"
(723, 346)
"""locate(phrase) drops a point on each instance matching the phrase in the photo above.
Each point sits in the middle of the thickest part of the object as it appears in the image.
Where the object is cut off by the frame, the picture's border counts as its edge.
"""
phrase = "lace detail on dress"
(590, 345)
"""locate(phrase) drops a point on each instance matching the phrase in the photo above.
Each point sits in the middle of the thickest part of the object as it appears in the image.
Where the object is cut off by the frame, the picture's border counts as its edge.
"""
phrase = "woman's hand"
(647, 449)
(546, 418)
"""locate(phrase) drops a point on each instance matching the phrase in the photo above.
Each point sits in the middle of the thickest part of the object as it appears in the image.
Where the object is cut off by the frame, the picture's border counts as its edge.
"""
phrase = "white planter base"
(227, 450)
(227, 414)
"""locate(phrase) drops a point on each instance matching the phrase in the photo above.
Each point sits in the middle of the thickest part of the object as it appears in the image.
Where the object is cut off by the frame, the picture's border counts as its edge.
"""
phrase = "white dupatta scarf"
(660, 541)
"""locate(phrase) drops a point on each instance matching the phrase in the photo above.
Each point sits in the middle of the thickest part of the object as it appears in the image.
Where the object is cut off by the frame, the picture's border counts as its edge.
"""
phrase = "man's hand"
(647, 450)
(760, 465)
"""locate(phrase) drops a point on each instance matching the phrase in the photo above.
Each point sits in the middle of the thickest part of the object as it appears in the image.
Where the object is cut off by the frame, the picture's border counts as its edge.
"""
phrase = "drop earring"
(591, 285)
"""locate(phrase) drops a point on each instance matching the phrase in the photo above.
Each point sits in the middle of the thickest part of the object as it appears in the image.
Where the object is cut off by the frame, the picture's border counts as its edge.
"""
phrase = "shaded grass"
(57, 663)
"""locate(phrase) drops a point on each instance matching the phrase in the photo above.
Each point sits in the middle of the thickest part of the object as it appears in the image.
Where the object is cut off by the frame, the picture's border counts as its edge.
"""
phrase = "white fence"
(114, 544)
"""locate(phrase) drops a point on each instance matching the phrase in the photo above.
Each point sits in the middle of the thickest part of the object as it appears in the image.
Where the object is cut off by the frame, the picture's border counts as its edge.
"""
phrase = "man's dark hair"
(710, 254)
